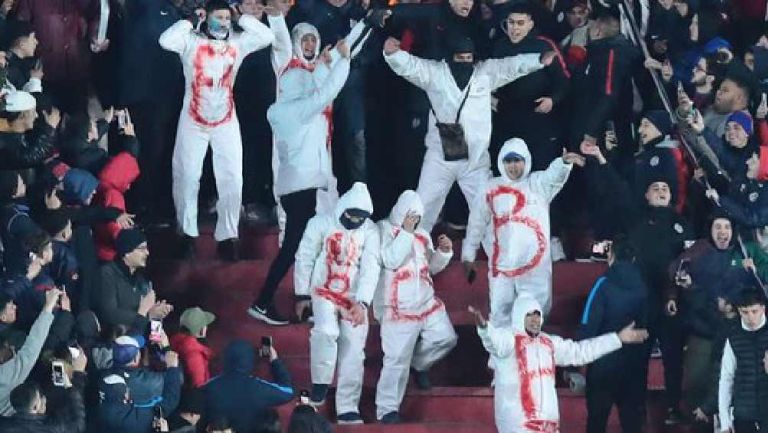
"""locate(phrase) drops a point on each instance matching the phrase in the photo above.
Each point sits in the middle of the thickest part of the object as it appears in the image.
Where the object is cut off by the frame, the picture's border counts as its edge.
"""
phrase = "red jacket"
(195, 356)
(65, 29)
(116, 177)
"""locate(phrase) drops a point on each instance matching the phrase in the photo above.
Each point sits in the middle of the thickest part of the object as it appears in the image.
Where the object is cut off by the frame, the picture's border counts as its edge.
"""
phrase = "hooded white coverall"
(434, 77)
(525, 399)
(208, 117)
(415, 328)
(511, 220)
(339, 267)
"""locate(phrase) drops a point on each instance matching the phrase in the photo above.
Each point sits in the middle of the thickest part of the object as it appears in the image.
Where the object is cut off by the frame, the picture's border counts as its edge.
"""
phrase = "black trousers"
(625, 389)
(299, 209)
(671, 338)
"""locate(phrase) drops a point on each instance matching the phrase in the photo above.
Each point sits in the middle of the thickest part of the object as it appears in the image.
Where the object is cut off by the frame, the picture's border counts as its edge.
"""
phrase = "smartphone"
(682, 270)
(304, 396)
(157, 417)
(57, 373)
(155, 331)
(120, 119)
(266, 345)
(601, 248)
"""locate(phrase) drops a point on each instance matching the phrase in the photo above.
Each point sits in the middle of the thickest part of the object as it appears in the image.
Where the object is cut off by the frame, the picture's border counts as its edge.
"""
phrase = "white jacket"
(435, 78)
(210, 66)
(409, 260)
(511, 218)
(337, 264)
(525, 398)
(300, 128)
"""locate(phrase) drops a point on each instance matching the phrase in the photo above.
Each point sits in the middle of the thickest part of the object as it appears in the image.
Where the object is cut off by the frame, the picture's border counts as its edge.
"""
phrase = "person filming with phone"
(240, 397)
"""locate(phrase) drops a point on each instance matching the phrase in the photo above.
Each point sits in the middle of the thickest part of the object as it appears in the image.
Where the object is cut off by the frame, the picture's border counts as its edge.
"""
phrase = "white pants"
(504, 291)
(437, 178)
(333, 338)
(417, 344)
(192, 142)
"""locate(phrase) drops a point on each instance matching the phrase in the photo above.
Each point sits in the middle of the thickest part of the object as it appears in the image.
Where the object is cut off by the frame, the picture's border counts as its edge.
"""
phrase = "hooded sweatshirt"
(116, 178)
(337, 264)
(525, 398)
(239, 396)
(78, 186)
(406, 291)
(511, 218)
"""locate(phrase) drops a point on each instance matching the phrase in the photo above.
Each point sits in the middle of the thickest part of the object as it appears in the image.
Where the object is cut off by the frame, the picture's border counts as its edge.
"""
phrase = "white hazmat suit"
(208, 117)
(511, 221)
(337, 268)
(525, 399)
(415, 328)
(434, 77)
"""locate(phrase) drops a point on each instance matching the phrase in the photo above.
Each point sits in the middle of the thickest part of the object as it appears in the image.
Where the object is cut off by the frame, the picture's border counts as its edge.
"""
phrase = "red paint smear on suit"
(404, 274)
(336, 258)
(207, 53)
(297, 63)
(501, 219)
(527, 376)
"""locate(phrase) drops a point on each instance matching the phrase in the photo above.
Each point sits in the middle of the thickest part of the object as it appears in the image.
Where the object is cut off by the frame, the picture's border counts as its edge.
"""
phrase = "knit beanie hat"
(661, 120)
(742, 118)
(128, 240)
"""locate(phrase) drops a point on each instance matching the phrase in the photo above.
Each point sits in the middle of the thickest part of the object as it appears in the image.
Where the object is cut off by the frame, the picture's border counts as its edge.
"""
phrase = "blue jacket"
(617, 299)
(241, 397)
(15, 224)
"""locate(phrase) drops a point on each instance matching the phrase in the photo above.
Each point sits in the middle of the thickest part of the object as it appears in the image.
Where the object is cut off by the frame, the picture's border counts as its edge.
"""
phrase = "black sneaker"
(674, 417)
(349, 418)
(422, 380)
(391, 418)
(268, 315)
(229, 250)
(319, 392)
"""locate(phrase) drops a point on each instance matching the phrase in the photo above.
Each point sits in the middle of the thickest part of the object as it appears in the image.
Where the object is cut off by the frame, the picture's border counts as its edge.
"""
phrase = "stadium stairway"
(461, 400)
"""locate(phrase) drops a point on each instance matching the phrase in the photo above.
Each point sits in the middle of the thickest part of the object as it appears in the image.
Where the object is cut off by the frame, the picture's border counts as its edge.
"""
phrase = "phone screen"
(57, 371)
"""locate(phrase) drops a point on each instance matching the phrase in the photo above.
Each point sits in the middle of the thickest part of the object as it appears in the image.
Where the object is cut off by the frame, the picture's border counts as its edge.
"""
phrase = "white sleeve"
(394, 250)
(34, 85)
(479, 218)
(499, 342)
(549, 182)
(419, 72)
(176, 37)
(327, 92)
(369, 270)
(438, 260)
(508, 69)
(310, 247)
(725, 387)
(569, 352)
(282, 49)
(255, 35)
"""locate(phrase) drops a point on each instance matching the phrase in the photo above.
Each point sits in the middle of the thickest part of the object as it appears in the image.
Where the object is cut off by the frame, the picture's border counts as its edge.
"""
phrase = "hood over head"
(518, 146)
(295, 83)
(409, 201)
(356, 198)
(120, 172)
(524, 304)
(79, 184)
(239, 357)
(299, 31)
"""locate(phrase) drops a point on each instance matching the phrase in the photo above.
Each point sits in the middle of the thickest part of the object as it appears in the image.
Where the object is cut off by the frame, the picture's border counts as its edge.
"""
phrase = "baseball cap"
(125, 348)
(196, 319)
(513, 156)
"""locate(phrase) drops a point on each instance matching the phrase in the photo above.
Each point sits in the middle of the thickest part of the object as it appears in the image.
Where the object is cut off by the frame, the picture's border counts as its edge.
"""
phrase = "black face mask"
(347, 222)
(462, 72)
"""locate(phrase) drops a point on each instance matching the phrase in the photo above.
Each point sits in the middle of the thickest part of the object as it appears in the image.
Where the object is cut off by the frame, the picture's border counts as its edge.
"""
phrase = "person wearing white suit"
(510, 219)
(525, 398)
(445, 95)
(415, 329)
(211, 58)
(337, 267)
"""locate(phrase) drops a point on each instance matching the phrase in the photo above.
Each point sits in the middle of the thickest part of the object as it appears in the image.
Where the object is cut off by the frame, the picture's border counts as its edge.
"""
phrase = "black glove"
(376, 18)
